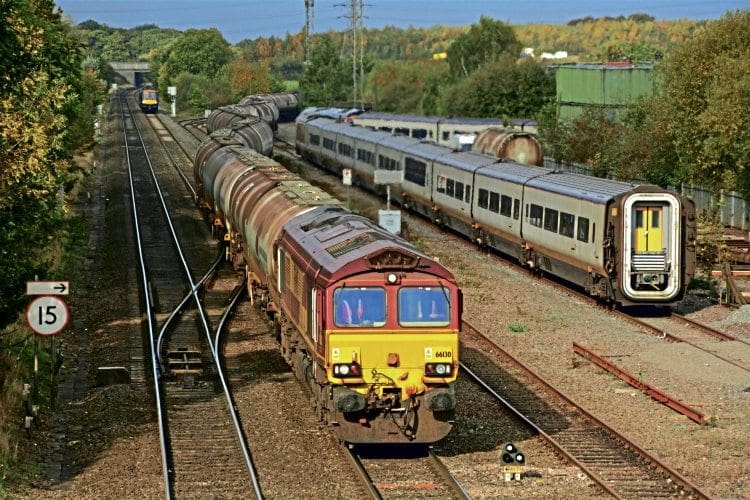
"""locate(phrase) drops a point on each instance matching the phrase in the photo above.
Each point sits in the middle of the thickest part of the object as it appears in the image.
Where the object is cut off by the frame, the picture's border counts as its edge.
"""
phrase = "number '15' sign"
(47, 315)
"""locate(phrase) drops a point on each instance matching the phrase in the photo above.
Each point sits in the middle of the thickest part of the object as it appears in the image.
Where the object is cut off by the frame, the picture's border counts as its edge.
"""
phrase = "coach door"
(648, 229)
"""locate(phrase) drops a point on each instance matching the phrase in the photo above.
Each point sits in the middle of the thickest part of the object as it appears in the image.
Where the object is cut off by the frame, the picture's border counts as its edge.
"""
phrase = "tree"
(702, 109)
(327, 79)
(485, 43)
(503, 89)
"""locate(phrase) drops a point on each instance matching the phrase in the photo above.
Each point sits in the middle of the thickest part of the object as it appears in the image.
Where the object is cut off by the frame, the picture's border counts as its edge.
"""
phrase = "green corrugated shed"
(599, 85)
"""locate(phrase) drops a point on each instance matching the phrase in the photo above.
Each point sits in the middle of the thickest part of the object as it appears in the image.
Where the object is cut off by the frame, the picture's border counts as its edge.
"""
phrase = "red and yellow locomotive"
(368, 321)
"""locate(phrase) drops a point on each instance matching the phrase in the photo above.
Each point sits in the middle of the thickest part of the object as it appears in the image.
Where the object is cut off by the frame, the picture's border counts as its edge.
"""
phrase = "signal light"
(513, 461)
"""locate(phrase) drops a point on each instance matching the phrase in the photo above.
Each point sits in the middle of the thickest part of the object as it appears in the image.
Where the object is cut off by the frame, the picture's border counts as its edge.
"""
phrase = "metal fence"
(732, 208)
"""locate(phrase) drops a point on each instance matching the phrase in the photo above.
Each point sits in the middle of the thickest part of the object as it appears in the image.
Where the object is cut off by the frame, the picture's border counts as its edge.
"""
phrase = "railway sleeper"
(184, 361)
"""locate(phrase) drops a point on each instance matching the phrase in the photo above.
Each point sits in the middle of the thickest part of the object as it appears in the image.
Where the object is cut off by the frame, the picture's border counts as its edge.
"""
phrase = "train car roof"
(338, 243)
(374, 115)
(594, 189)
(511, 171)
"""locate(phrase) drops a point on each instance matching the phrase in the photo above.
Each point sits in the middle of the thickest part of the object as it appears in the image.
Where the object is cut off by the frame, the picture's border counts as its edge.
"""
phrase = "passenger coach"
(622, 242)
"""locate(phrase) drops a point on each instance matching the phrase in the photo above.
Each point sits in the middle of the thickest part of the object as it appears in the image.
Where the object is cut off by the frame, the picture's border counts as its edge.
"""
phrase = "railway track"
(203, 448)
(415, 473)
(619, 466)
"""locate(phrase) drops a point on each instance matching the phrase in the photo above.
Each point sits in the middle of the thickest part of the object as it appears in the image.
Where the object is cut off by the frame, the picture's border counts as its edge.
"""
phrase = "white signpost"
(389, 219)
(47, 287)
(346, 176)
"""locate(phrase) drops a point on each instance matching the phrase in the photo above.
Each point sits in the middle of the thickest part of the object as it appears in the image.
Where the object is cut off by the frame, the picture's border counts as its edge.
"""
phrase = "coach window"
(467, 195)
(583, 229)
(419, 133)
(424, 306)
(345, 149)
(415, 171)
(441, 182)
(401, 131)
(450, 186)
(516, 208)
(567, 224)
(315, 140)
(459, 194)
(359, 306)
(446, 135)
(535, 215)
(505, 204)
(484, 197)
(550, 219)
(494, 202)
(329, 144)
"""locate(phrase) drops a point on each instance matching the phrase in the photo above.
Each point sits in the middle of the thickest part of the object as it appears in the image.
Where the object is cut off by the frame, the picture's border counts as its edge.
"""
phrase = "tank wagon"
(225, 116)
(148, 99)
(286, 102)
(623, 243)
(368, 322)
(522, 147)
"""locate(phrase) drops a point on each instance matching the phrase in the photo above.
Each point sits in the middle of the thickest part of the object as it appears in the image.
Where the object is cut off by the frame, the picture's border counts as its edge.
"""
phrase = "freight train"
(623, 243)
(148, 99)
(367, 321)
(271, 108)
(490, 136)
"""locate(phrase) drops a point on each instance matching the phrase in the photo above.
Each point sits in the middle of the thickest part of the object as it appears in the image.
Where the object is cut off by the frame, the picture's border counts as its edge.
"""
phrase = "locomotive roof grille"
(351, 244)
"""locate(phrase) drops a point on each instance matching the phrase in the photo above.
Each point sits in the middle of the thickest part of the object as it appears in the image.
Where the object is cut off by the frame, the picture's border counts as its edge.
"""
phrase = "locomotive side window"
(359, 306)
(535, 215)
(423, 306)
(415, 171)
(583, 229)
(505, 202)
(567, 224)
(386, 163)
(484, 196)
(315, 139)
(494, 202)
(550, 219)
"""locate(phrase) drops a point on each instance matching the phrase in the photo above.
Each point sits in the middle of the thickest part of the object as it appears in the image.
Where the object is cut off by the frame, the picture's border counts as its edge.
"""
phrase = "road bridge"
(133, 72)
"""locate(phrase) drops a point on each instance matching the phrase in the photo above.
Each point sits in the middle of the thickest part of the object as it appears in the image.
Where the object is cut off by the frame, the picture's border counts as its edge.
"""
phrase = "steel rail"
(204, 323)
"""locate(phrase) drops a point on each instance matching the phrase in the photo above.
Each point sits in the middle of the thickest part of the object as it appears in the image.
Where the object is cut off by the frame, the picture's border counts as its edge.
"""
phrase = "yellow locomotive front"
(391, 357)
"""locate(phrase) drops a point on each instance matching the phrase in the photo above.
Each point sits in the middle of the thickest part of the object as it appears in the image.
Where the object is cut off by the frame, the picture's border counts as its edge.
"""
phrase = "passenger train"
(148, 99)
(368, 322)
(624, 243)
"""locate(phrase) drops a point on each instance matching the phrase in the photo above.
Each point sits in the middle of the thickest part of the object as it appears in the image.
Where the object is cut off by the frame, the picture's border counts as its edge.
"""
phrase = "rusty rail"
(634, 381)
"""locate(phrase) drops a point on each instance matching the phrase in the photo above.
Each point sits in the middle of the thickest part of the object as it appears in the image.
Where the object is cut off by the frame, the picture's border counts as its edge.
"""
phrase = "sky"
(241, 19)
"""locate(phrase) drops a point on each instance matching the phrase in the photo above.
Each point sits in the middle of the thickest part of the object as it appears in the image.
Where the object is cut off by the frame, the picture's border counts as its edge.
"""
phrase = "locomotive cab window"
(315, 139)
(424, 306)
(359, 306)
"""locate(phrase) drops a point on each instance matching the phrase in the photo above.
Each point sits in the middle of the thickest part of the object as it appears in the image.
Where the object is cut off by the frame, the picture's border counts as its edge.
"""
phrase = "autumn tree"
(42, 110)
(698, 123)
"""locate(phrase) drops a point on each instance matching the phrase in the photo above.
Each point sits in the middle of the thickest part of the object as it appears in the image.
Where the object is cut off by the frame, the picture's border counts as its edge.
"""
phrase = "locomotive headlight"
(437, 369)
(344, 370)
(392, 279)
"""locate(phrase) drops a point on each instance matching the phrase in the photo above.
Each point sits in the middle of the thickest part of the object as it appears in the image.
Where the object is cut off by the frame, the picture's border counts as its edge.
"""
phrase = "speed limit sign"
(47, 315)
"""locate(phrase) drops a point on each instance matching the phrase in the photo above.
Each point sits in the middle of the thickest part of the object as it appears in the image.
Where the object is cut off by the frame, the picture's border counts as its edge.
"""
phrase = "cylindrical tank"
(225, 116)
(522, 147)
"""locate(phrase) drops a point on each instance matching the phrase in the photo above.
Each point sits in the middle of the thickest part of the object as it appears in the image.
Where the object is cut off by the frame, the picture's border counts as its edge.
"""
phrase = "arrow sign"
(47, 287)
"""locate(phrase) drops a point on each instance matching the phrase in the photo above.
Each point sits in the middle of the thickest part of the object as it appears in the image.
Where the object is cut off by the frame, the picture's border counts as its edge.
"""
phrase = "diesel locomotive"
(148, 99)
(623, 243)
(367, 321)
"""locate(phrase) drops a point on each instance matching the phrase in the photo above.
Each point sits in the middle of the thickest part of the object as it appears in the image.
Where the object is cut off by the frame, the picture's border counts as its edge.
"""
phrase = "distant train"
(369, 322)
(624, 243)
(491, 136)
(148, 98)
